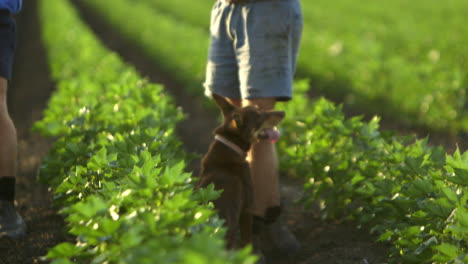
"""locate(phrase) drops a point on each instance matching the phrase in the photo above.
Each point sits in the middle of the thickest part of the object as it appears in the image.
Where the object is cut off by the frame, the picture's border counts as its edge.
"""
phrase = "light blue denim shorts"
(253, 49)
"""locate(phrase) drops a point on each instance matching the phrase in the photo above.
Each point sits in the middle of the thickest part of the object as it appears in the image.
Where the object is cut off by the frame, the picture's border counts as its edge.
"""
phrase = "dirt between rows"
(323, 242)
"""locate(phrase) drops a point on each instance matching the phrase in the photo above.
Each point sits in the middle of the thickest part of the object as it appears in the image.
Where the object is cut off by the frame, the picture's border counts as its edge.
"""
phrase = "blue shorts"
(253, 49)
(7, 44)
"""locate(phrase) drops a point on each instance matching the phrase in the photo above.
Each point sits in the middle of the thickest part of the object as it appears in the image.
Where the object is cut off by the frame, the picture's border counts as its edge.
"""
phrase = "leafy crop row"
(116, 167)
(412, 195)
(177, 48)
(402, 60)
(194, 13)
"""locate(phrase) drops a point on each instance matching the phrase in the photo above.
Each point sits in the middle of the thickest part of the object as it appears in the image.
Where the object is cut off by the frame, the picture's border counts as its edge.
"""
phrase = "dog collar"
(231, 145)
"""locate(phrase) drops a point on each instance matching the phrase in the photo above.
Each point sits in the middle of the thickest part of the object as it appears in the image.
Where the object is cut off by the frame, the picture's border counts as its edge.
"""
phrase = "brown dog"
(226, 167)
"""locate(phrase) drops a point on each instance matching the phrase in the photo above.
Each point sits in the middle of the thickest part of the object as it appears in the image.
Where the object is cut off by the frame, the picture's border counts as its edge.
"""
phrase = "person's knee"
(3, 94)
(3, 86)
(262, 103)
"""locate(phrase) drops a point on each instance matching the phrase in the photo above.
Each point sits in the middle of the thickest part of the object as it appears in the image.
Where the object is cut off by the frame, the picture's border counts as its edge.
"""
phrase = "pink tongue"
(273, 134)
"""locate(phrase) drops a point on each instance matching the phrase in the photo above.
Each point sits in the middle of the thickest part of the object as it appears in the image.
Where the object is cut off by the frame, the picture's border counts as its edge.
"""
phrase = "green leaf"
(462, 216)
(63, 250)
(450, 194)
(61, 261)
(427, 244)
(175, 174)
(449, 251)
(207, 194)
(99, 160)
(356, 179)
(386, 236)
(89, 208)
(423, 187)
(458, 160)
(108, 226)
(439, 207)
(462, 175)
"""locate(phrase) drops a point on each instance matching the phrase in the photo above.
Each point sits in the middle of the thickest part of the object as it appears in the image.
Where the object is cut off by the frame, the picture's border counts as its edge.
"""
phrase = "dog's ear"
(273, 118)
(223, 104)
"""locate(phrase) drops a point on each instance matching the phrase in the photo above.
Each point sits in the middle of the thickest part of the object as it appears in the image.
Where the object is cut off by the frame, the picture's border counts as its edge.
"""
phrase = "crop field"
(119, 172)
(401, 60)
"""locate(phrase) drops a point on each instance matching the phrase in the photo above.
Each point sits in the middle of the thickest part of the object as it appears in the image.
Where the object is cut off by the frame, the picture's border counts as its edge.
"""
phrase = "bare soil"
(323, 242)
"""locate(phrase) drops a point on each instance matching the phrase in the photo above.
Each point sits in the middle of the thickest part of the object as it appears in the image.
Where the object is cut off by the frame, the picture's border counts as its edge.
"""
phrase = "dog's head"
(248, 122)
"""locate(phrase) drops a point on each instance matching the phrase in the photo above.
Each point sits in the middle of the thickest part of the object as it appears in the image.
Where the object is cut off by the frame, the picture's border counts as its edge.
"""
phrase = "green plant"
(407, 192)
(116, 168)
(398, 59)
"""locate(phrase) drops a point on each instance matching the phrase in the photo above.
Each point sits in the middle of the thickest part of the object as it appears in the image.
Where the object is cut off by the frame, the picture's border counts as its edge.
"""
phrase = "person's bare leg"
(8, 140)
(269, 218)
(263, 162)
(11, 223)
